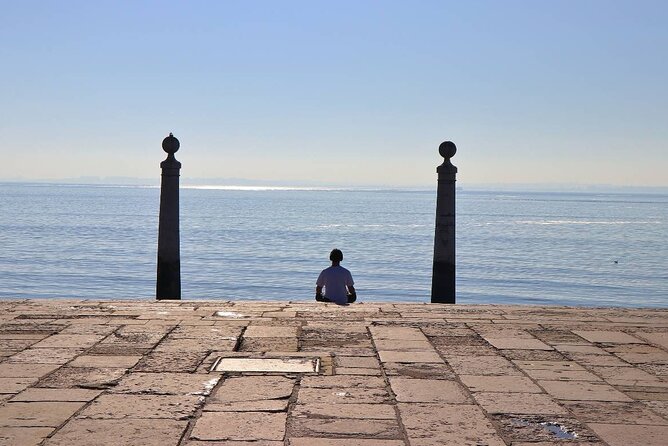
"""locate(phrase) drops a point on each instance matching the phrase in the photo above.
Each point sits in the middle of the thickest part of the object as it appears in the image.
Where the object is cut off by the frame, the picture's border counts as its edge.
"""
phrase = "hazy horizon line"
(253, 184)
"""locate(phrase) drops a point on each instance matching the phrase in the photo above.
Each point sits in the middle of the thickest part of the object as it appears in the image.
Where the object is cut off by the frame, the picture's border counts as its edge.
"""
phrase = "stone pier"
(202, 373)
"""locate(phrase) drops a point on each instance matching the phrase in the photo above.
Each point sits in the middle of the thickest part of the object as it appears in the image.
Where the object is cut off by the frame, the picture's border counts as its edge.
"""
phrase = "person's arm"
(318, 290)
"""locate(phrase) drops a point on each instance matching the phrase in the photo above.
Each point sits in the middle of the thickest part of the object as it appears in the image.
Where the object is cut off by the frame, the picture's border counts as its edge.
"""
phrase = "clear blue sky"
(355, 92)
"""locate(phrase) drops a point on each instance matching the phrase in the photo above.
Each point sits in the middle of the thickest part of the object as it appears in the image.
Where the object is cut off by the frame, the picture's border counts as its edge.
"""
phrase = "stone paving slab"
(131, 372)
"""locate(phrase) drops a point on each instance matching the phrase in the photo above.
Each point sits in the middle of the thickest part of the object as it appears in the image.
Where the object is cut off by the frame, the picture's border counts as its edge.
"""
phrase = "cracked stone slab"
(119, 406)
(186, 362)
(309, 395)
(345, 427)
(167, 383)
(418, 370)
(518, 403)
(102, 361)
(84, 377)
(248, 426)
(518, 344)
(551, 429)
(253, 388)
(144, 432)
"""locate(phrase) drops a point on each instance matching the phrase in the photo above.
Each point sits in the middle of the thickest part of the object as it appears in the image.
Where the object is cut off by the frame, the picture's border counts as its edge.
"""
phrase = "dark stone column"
(168, 285)
(443, 275)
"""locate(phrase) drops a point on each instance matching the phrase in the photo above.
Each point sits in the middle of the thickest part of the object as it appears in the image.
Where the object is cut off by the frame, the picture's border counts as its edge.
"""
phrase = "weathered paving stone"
(84, 377)
(518, 403)
(356, 362)
(214, 405)
(541, 428)
(628, 434)
(558, 337)
(253, 388)
(660, 339)
(330, 382)
(119, 406)
(69, 341)
(518, 344)
(358, 371)
(312, 441)
(42, 394)
(248, 426)
(518, 384)
(606, 360)
(583, 391)
(410, 390)
(419, 370)
(409, 357)
(24, 436)
(234, 443)
(482, 365)
(269, 344)
(533, 355)
(604, 336)
(186, 362)
(37, 414)
(45, 355)
(268, 331)
(356, 411)
(396, 333)
(442, 424)
(145, 432)
(167, 383)
(22, 370)
(615, 412)
(660, 407)
(556, 371)
(104, 361)
(15, 385)
(308, 395)
(345, 427)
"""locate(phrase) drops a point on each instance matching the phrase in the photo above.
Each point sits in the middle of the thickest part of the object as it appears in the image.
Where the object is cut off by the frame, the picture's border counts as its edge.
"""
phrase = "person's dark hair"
(336, 255)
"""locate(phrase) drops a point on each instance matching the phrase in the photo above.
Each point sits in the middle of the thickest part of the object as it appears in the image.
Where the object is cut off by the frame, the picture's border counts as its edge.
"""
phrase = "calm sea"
(586, 249)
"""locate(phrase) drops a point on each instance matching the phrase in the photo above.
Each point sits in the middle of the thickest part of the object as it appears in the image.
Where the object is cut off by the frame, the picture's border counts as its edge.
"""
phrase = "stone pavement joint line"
(202, 373)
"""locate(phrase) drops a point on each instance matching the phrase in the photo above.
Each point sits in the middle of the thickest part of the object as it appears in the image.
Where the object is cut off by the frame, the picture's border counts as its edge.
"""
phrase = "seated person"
(337, 282)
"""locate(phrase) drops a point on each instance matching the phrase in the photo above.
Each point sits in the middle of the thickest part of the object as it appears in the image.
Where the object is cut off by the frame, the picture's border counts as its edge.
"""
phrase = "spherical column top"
(170, 144)
(447, 149)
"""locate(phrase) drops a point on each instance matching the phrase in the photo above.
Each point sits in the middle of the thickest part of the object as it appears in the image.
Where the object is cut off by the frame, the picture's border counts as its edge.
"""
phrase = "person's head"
(336, 255)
